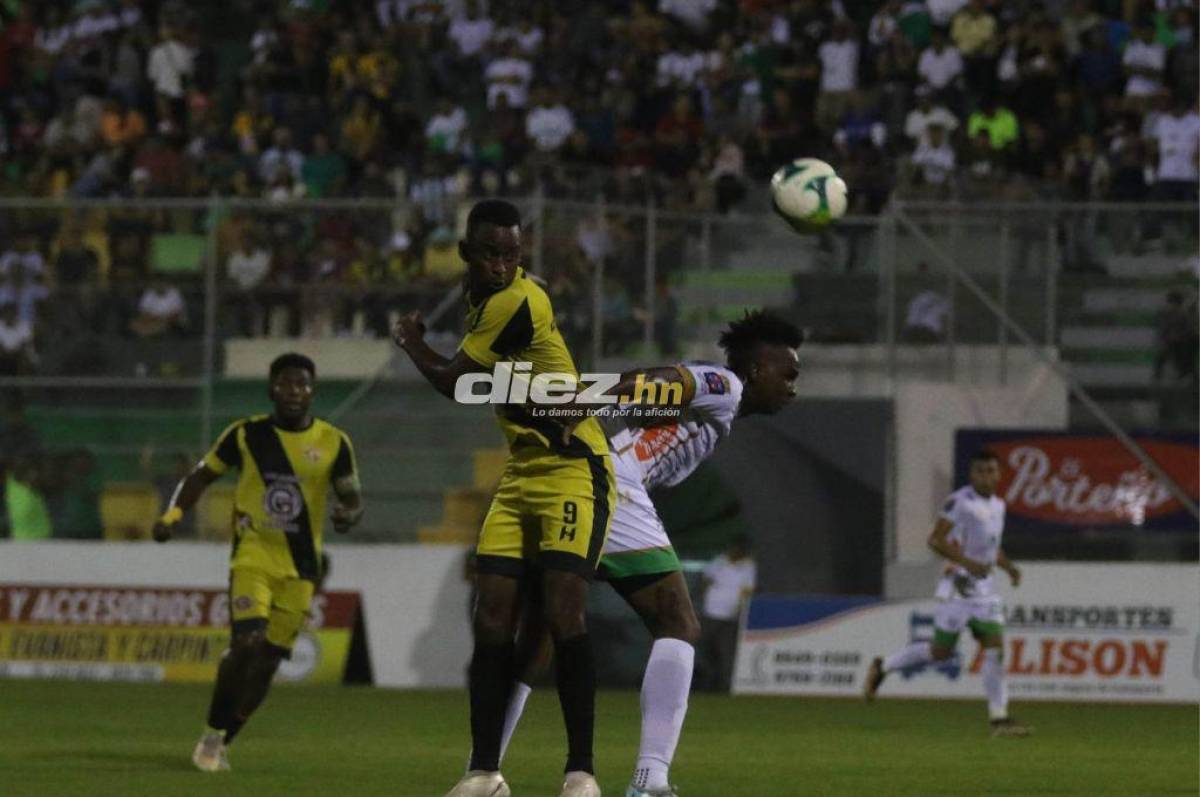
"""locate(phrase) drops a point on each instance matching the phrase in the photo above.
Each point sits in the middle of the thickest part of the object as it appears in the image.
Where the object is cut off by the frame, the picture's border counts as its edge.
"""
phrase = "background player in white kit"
(638, 560)
(967, 535)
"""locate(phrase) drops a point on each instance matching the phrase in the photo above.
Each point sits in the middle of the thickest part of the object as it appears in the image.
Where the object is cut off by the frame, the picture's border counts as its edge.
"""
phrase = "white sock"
(665, 688)
(911, 656)
(516, 705)
(995, 684)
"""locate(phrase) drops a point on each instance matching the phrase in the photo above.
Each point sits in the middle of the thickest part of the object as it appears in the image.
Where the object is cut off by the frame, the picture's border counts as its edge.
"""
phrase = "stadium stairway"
(1108, 332)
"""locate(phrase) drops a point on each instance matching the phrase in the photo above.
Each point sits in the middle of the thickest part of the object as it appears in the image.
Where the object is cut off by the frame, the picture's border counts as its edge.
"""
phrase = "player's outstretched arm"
(442, 373)
(187, 493)
(1008, 566)
(939, 542)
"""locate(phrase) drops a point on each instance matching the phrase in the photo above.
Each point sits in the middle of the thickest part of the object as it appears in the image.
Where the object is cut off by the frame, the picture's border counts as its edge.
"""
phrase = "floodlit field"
(61, 738)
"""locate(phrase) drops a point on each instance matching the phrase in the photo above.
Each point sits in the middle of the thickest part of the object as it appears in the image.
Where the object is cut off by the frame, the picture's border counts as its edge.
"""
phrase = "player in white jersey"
(967, 535)
(638, 559)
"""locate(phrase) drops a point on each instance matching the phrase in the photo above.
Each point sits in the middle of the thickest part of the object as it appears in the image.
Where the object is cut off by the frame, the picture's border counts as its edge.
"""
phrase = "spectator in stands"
(728, 173)
(247, 269)
(1175, 137)
(839, 75)
(728, 583)
(161, 311)
(973, 32)
(860, 125)
(925, 319)
(324, 171)
(941, 65)
(24, 257)
(361, 131)
(935, 161)
(995, 120)
(282, 155)
(74, 498)
(509, 75)
(76, 277)
(170, 67)
(17, 354)
(1176, 352)
(28, 516)
(926, 114)
(1145, 61)
(121, 125)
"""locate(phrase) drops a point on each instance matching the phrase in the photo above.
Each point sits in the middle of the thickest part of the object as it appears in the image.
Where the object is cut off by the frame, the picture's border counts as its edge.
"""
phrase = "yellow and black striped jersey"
(517, 324)
(283, 482)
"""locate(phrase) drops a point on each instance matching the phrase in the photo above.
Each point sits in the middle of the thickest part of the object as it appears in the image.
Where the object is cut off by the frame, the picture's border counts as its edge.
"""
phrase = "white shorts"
(637, 542)
(985, 615)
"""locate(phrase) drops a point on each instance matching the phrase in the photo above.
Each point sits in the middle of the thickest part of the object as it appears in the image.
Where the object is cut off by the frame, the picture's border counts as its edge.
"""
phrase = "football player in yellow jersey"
(287, 461)
(543, 534)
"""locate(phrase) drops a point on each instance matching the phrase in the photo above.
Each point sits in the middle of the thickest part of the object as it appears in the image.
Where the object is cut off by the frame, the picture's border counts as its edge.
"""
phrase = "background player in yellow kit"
(287, 462)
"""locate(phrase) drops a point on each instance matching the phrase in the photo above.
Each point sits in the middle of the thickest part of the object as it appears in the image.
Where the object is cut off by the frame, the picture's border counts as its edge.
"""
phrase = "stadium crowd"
(687, 102)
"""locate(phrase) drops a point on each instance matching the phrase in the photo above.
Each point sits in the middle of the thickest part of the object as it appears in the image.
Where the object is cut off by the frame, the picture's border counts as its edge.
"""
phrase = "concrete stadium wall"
(414, 596)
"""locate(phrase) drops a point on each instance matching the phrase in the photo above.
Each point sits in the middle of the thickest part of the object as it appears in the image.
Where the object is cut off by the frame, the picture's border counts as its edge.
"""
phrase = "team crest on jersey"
(243, 603)
(718, 385)
(312, 454)
(283, 502)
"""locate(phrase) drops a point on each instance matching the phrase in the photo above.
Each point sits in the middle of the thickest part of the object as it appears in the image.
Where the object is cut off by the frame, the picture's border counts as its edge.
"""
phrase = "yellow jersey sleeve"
(503, 327)
(226, 453)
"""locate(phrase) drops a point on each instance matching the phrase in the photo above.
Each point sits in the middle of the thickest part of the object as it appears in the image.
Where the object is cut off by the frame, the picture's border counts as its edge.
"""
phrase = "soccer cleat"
(210, 754)
(634, 791)
(580, 784)
(478, 783)
(875, 676)
(1009, 727)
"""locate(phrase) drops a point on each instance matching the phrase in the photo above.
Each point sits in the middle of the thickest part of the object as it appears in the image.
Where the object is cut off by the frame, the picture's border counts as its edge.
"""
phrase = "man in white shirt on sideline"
(1144, 61)
(967, 535)
(729, 581)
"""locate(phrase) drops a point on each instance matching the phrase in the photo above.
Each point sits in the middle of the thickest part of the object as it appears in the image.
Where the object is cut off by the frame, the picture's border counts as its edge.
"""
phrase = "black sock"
(491, 680)
(220, 710)
(576, 672)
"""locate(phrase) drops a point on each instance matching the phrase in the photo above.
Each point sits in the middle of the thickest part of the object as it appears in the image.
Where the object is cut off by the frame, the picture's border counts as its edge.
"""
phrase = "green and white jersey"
(978, 526)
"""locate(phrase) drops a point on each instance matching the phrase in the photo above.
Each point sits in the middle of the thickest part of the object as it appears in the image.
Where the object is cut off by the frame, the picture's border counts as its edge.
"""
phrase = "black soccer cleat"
(1009, 727)
(875, 676)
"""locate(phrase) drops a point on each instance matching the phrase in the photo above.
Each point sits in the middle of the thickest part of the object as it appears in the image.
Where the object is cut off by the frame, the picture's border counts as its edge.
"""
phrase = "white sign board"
(1082, 632)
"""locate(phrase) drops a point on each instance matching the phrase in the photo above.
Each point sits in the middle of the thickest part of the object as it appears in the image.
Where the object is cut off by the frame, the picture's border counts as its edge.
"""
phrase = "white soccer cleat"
(634, 791)
(210, 754)
(580, 784)
(478, 783)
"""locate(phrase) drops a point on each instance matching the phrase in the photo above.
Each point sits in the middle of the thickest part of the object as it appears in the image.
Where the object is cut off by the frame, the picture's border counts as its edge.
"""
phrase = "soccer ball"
(808, 194)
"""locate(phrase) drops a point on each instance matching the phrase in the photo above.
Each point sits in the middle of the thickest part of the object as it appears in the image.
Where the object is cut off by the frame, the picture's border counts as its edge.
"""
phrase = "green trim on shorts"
(644, 562)
(980, 629)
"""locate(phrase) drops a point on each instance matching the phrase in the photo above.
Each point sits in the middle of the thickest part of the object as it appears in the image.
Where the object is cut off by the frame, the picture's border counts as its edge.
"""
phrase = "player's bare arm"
(1008, 566)
(187, 493)
(939, 543)
(442, 373)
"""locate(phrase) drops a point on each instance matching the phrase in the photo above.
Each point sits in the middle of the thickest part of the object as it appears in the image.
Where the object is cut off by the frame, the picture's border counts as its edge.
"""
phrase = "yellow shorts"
(257, 599)
(548, 509)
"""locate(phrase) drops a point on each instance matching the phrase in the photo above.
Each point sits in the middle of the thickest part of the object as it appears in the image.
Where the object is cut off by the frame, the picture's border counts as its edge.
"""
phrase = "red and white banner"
(1073, 632)
(1058, 480)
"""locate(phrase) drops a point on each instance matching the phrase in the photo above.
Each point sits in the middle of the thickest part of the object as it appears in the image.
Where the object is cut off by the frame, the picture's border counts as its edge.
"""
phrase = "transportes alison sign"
(1073, 632)
(151, 634)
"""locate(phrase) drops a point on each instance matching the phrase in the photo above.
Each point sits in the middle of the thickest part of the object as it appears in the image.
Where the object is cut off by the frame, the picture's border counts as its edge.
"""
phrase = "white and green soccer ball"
(808, 194)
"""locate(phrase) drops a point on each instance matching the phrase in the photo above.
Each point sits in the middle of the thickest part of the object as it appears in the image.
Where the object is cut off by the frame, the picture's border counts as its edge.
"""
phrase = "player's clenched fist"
(409, 328)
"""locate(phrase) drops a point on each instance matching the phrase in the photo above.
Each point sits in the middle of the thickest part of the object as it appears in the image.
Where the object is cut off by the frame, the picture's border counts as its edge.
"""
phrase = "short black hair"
(984, 455)
(753, 328)
(493, 211)
(292, 360)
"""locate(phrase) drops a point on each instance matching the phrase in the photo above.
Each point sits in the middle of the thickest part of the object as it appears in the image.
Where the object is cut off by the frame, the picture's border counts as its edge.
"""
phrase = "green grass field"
(65, 738)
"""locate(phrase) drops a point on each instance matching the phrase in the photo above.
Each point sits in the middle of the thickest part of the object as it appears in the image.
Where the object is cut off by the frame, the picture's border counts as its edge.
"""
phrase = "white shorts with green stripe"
(637, 543)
